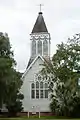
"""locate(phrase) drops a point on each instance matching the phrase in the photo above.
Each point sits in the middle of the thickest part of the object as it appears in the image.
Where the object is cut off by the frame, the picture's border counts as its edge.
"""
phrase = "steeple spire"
(40, 25)
(40, 39)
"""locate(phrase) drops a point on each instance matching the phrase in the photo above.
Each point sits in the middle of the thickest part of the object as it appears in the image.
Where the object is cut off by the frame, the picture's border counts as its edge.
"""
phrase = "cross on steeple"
(40, 6)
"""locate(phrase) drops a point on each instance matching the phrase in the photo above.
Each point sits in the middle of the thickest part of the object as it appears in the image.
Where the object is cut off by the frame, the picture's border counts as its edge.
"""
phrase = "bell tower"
(40, 38)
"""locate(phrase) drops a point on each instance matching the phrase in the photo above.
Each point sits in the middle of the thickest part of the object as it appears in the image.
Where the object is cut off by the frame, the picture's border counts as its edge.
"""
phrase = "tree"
(6, 62)
(13, 95)
(62, 72)
(10, 79)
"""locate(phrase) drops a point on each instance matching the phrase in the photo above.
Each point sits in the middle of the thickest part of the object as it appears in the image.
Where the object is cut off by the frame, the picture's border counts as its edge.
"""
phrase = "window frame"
(35, 89)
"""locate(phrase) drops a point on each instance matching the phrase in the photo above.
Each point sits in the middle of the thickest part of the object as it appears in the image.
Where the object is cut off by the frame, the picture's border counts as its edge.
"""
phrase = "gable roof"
(40, 25)
(39, 56)
(30, 61)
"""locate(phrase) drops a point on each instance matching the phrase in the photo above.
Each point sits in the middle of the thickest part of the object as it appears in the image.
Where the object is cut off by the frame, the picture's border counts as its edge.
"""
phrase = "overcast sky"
(17, 18)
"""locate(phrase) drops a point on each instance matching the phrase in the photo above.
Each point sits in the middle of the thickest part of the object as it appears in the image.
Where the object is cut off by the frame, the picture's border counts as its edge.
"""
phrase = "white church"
(34, 88)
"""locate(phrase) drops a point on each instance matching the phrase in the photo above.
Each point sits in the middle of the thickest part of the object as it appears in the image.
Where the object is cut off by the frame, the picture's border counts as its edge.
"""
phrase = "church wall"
(28, 103)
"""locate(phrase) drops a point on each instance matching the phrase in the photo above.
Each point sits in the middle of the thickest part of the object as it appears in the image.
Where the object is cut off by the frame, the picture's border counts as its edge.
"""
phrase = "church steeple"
(40, 25)
(40, 39)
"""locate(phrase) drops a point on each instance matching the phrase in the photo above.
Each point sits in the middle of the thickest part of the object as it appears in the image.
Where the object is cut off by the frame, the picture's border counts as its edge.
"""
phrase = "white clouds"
(17, 18)
(63, 30)
(9, 4)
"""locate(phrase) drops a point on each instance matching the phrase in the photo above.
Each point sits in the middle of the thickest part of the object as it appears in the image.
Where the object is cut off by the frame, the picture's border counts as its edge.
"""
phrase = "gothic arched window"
(33, 48)
(45, 47)
(39, 90)
(37, 85)
(41, 84)
(40, 47)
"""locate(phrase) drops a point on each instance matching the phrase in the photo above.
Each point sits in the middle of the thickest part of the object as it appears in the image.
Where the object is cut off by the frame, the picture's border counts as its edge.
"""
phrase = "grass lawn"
(42, 118)
(32, 119)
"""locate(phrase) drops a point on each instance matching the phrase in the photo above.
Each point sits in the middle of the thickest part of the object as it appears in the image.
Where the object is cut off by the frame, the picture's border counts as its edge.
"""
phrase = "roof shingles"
(40, 25)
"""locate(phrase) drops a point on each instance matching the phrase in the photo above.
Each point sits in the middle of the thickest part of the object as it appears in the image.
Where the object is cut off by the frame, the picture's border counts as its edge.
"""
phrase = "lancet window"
(39, 89)
(40, 47)
(33, 48)
(45, 47)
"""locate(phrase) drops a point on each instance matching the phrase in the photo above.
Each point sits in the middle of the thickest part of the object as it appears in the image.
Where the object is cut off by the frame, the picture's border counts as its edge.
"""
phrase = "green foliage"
(5, 63)
(13, 95)
(10, 79)
(63, 72)
(14, 106)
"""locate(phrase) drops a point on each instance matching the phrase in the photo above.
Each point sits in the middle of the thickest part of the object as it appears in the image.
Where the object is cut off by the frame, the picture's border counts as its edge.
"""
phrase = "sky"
(17, 18)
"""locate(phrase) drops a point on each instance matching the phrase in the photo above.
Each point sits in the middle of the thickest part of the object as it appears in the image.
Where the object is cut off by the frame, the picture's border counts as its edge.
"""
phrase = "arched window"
(39, 90)
(37, 85)
(45, 47)
(41, 84)
(46, 85)
(33, 48)
(40, 47)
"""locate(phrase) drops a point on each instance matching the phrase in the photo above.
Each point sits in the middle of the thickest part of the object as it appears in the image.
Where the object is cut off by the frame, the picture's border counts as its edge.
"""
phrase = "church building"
(34, 88)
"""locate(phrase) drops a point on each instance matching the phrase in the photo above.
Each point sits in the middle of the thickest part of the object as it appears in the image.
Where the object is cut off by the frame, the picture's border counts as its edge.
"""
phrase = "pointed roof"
(30, 65)
(40, 25)
(33, 61)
